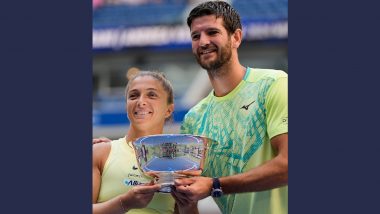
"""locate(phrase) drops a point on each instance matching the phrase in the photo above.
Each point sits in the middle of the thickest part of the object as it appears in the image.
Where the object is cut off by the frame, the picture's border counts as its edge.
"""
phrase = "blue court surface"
(168, 164)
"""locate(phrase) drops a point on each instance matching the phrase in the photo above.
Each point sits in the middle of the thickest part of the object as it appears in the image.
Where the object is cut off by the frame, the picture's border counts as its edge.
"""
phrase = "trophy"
(166, 157)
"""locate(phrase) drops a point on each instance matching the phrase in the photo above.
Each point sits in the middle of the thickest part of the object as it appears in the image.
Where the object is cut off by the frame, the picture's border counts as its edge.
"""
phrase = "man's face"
(211, 43)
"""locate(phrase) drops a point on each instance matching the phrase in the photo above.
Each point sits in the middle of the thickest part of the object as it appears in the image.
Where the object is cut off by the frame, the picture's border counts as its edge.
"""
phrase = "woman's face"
(147, 105)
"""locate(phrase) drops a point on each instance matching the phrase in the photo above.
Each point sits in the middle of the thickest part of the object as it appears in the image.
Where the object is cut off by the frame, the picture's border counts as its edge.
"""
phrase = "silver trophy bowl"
(167, 157)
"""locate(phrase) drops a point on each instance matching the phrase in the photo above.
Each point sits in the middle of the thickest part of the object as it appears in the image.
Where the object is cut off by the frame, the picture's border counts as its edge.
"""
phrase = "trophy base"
(166, 179)
(165, 188)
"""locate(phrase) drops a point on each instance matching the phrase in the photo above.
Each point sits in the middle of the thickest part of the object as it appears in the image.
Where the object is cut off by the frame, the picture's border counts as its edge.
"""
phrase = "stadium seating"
(170, 12)
(262, 10)
(116, 16)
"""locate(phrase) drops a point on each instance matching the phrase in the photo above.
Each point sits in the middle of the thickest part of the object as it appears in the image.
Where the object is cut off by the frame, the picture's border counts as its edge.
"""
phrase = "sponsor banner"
(177, 35)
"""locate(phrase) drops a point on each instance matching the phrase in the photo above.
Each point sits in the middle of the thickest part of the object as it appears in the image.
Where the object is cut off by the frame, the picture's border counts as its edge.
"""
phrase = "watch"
(216, 190)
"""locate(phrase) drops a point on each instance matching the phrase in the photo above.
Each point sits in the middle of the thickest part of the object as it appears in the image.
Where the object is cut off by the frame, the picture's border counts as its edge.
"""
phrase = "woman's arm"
(137, 197)
(100, 153)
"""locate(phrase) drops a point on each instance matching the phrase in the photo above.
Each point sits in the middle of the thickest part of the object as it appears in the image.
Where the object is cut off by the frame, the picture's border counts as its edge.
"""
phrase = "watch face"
(217, 193)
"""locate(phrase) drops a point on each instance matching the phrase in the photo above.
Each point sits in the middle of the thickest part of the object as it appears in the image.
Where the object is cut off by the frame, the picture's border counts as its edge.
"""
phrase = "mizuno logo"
(247, 106)
(134, 168)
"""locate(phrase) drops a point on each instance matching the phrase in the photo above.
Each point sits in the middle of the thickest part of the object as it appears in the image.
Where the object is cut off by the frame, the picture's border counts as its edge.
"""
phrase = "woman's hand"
(139, 196)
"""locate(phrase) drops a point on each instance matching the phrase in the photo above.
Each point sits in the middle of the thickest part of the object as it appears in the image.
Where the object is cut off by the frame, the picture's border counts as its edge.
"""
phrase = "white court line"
(192, 162)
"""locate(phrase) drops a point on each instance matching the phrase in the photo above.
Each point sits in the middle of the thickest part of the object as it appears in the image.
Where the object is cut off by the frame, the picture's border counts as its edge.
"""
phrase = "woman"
(118, 185)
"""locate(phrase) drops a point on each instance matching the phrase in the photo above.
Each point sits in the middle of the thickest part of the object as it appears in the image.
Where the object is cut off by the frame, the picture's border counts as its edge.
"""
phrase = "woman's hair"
(161, 78)
(231, 18)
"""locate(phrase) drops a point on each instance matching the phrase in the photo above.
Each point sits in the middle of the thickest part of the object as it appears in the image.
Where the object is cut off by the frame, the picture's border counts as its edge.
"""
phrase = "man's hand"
(100, 140)
(191, 190)
(182, 205)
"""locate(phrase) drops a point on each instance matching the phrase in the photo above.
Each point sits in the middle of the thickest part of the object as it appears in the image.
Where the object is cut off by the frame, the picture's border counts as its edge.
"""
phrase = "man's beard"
(222, 58)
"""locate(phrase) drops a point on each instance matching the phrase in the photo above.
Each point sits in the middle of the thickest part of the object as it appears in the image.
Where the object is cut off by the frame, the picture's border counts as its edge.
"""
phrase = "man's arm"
(269, 175)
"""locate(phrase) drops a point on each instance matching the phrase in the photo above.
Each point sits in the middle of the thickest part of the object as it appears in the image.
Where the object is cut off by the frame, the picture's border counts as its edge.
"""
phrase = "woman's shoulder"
(106, 146)
(101, 150)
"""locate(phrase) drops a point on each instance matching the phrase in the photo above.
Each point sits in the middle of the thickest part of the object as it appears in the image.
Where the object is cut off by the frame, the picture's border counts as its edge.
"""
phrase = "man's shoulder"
(201, 104)
(196, 111)
(257, 74)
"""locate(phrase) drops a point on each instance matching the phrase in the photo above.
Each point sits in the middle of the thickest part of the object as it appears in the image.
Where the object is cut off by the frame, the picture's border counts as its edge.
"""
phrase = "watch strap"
(215, 183)
(216, 190)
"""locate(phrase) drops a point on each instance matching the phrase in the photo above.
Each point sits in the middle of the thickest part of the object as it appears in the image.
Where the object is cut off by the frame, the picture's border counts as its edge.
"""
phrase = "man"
(246, 112)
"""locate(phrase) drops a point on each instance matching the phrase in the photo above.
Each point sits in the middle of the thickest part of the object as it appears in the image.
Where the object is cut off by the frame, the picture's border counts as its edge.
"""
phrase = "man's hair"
(231, 18)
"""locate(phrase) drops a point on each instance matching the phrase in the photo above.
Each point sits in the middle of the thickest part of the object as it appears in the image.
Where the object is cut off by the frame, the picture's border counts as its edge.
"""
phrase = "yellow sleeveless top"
(120, 174)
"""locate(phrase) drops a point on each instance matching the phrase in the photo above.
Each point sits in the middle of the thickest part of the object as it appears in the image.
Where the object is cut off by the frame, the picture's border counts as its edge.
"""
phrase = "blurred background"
(153, 35)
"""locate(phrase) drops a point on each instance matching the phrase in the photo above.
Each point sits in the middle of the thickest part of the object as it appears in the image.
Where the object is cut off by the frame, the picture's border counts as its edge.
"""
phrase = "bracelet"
(122, 206)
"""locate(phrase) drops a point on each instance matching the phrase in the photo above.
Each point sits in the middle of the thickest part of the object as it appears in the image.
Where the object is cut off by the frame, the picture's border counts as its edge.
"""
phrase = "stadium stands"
(124, 15)
(171, 12)
(262, 10)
